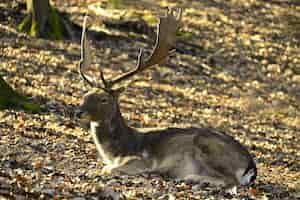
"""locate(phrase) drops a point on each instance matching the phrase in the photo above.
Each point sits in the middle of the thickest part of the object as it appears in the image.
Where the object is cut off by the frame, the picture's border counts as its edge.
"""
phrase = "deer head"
(101, 104)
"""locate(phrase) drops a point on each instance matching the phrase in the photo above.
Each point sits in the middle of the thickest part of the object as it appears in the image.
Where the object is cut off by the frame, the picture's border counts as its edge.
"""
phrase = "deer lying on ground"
(194, 154)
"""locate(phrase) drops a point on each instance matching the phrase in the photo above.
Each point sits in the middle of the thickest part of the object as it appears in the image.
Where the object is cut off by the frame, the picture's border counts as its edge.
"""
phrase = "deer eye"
(103, 100)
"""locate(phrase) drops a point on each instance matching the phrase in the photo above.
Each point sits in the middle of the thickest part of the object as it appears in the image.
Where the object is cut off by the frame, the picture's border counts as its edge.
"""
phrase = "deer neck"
(117, 124)
(114, 136)
(112, 125)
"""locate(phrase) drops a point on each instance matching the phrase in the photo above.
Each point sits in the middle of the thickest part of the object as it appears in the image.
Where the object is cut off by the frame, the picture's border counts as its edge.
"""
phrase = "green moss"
(55, 24)
(5, 89)
(24, 26)
(32, 107)
(34, 29)
(9, 98)
(54, 28)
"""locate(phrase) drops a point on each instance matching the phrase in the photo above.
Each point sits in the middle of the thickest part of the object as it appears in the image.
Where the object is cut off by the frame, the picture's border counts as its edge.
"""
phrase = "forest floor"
(237, 69)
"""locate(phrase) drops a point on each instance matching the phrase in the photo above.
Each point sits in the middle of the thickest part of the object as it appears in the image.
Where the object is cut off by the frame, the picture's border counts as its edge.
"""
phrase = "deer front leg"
(132, 166)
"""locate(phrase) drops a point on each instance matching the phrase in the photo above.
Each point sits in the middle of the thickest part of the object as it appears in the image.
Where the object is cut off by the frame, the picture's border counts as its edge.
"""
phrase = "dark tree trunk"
(44, 21)
(39, 11)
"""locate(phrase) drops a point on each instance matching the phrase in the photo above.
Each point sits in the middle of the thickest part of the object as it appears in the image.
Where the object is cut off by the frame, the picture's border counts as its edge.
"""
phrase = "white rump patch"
(244, 179)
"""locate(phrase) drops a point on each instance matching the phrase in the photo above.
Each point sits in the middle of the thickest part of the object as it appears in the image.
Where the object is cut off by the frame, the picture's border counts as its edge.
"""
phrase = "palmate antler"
(166, 37)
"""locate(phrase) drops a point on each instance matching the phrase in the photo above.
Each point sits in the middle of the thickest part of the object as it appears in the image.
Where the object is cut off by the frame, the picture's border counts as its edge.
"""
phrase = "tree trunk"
(39, 10)
(44, 21)
(9, 98)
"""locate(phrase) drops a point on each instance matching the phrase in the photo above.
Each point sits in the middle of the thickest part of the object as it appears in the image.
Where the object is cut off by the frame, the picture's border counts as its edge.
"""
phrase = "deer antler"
(166, 37)
(85, 60)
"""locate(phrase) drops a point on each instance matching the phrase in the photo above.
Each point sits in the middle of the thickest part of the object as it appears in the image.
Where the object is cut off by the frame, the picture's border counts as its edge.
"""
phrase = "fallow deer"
(195, 154)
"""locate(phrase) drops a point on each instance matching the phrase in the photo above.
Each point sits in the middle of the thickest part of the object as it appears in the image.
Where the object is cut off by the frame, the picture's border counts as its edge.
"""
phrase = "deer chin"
(84, 120)
(107, 123)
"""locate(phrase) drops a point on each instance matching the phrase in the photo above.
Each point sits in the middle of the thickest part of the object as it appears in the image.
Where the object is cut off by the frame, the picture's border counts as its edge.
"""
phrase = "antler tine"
(165, 38)
(86, 60)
